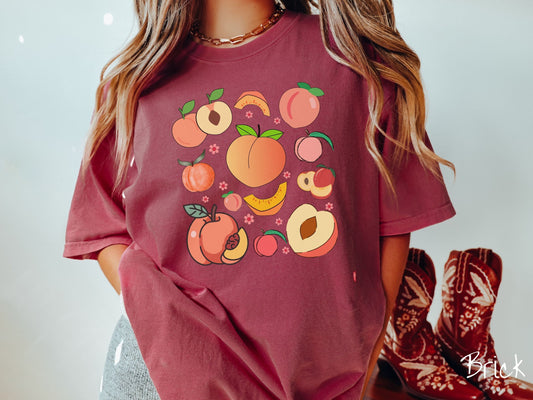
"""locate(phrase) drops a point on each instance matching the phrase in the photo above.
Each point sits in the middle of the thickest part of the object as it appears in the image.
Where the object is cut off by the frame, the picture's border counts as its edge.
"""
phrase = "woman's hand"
(109, 258)
(394, 251)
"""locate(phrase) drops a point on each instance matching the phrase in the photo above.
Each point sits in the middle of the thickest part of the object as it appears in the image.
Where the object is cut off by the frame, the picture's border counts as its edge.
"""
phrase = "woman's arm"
(394, 251)
(108, 258)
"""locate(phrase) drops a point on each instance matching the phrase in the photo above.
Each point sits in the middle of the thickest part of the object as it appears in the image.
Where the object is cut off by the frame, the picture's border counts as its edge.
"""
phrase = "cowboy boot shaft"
(471, 282)
(410, 347)
(470, 288)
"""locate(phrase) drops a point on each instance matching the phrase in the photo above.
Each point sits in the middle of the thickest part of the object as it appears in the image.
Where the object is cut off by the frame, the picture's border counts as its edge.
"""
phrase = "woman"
(252, 199)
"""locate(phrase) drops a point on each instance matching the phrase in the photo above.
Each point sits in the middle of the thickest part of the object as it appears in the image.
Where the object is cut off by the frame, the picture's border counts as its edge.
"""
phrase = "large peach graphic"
(214, 237)
(300, 106)
(197, 176)
(215, 117)
(256, 158)
(185, 130)
(311, 233)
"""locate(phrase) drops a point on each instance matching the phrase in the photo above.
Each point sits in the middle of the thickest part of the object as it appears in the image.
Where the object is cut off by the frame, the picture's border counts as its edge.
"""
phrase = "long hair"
(165, 24)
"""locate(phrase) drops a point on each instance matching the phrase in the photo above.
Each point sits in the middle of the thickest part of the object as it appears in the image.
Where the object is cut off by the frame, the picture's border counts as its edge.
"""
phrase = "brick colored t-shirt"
(253, 212)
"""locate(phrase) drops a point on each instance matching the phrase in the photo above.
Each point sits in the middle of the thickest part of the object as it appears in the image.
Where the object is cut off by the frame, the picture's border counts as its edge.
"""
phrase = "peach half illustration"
(268, 206)
(185, 130)
(266, 244)
(232, 201)
(300, 106)
(214, 237)
(253, 98)
(311, 233)
(256, 158)
(319, 183)
(309, 148)
(197, 176)
(215, 117)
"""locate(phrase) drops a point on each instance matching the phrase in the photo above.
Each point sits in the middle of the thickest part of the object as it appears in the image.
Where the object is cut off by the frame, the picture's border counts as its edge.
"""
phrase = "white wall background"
(57, 315)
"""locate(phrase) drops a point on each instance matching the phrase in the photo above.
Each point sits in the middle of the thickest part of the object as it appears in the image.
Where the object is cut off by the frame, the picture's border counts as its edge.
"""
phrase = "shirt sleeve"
(96, 218)
(422, 199)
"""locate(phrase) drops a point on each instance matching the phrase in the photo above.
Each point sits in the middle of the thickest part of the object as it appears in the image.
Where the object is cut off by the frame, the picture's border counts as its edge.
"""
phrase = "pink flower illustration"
(286, 174)
(279, 221)
(223, 185)
(285, 250)
(248, 219)
(205, 199)
(329, 206)
(277, 120)
(213, 149)
(249, 114)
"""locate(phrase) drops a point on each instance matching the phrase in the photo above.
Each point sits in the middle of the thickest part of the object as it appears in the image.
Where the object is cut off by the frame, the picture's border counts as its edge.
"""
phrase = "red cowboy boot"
(471, 282)
(410, 347)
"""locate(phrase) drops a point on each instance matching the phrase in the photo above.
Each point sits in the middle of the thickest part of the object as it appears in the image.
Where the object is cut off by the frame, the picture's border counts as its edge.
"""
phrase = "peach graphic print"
(257, 158)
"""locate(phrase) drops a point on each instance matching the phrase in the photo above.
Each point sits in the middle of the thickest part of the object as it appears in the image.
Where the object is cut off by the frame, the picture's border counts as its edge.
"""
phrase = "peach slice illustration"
(256, 158)
(215, 117)
(253, 98)
(300, 106)
(214, 237)
(311, 233)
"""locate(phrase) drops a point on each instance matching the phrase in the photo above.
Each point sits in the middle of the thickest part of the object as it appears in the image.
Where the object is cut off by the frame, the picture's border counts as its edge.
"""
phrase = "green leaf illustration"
(275, 232)
(199, 158)
(196, 210)
(322, 136)
(187, 108)
(272, 134)
(227, 194)
(246, 130)
(304, 85)
(316, 92)
(215, 95)
(184, 163)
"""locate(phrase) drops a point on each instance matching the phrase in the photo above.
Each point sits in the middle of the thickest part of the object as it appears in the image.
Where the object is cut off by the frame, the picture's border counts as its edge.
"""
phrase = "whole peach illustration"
(214, 237)
(185, 130)
(309, 148)
(232, 201)
(255, 158)
(197, 176)
(266, 244)
(300, 106)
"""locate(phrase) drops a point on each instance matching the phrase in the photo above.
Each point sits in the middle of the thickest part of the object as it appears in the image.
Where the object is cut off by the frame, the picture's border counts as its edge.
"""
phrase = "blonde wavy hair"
(164, 26)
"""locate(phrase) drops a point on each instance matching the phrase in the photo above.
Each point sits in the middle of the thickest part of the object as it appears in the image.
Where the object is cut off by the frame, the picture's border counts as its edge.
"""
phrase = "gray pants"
(125, 374)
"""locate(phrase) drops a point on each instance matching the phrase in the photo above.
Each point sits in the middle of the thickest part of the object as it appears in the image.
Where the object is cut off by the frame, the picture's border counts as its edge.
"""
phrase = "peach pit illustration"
(214, 237)
(256, 158)
(300, 106)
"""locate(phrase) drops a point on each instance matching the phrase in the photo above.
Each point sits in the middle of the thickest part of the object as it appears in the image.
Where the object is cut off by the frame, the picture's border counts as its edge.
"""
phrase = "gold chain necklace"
(276, 15)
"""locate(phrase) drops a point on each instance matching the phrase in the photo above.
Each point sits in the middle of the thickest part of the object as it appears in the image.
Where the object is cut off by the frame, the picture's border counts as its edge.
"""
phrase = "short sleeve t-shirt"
(252, 212)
